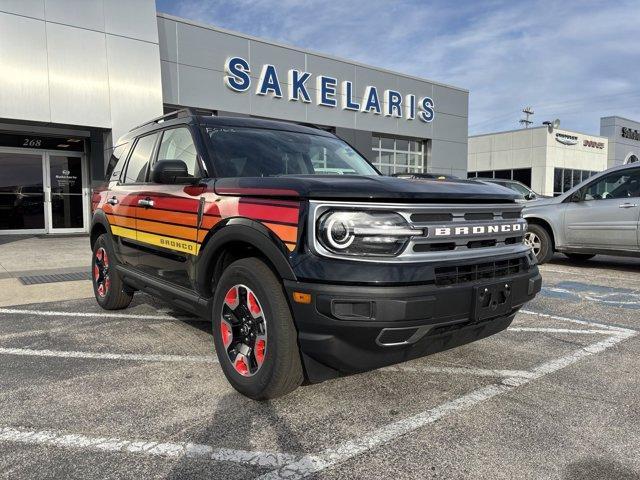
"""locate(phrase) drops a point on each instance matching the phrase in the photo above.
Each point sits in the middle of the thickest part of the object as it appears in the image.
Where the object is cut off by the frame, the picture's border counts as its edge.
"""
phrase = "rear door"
(606, 217)
(123, 197)
(167, 215)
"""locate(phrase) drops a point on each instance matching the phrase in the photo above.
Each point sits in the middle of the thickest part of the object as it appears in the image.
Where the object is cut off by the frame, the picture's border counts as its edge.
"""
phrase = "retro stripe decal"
(172, 222)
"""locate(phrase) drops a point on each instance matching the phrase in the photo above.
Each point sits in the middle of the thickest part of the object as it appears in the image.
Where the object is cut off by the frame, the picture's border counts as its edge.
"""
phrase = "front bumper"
(349, 329)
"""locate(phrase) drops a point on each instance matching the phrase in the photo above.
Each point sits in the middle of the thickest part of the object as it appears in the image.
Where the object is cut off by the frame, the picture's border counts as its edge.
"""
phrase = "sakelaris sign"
(391, 103)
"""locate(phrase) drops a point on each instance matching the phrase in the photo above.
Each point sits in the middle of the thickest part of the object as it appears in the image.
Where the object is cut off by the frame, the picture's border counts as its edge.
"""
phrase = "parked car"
(428, 176)
(305, 275)
(598, 216)
(526, 194)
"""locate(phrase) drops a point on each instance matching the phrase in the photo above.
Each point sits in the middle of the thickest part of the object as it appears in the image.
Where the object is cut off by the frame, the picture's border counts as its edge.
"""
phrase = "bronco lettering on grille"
(477, 230)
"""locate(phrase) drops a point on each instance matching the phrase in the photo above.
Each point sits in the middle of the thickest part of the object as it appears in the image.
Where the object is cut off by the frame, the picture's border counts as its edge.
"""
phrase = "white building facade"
(550, 161)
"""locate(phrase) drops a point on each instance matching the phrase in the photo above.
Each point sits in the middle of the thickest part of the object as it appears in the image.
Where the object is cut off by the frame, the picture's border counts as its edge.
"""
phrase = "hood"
(352, 187)
(541, 202)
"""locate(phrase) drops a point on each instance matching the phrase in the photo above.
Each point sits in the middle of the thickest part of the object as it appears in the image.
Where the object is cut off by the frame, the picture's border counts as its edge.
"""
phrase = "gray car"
(599, 216)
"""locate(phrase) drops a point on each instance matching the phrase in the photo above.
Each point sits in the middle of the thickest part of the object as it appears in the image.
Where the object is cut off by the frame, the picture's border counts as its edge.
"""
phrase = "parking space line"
(480, 372)
(613, 328)
(109, 356)
(314, 463)
(103, 314)
(559, 330)
(160, 449)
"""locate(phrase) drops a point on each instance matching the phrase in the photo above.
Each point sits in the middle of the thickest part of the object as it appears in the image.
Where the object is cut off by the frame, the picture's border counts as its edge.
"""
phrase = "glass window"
(623, 184)
(522, 175)
(402, 155)
(139, 160)
(557, 181)
(576, 177)
(375, 142)
(386, 142)
(504, 174)
(485, 174)
(119, 153)
(257, 152)
(566, 180)
(177, 144)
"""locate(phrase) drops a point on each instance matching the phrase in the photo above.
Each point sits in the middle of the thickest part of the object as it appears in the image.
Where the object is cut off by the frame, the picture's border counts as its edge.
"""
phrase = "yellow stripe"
(123, 232)
(166, 242)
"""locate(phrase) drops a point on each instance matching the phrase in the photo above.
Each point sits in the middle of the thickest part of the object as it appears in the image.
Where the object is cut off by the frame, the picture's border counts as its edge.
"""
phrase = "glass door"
(68, 193)
(22, 193)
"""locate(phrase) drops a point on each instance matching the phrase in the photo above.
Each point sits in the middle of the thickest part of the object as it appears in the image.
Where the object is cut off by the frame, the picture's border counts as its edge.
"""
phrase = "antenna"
(525, 121)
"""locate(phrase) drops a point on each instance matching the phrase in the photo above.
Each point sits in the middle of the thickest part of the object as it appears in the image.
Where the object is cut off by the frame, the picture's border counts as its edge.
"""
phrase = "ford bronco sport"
(309, 263)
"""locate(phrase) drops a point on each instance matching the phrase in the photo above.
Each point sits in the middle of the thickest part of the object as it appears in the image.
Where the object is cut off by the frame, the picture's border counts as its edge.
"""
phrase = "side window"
(116, 162)
(139, 160)
(623, 184)
(177, 144)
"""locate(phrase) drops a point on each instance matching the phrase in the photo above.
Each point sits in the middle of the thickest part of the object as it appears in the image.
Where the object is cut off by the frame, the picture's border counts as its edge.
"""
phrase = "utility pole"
(525, 121)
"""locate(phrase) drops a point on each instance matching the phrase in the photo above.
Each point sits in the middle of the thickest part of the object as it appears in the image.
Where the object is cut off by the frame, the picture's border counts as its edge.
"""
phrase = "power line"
(525, 121)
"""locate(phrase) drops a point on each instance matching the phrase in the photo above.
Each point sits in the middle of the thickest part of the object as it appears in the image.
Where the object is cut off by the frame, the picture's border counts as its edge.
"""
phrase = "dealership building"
(75, 76)
(552, 160)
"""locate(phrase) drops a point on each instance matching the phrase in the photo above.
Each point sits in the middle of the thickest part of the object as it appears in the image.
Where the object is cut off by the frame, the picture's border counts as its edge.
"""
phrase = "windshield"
(517, 188)
(257, 152)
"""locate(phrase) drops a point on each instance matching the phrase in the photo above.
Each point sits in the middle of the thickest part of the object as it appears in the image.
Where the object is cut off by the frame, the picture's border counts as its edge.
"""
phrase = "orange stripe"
(210, 222)
(284, 232)
(121, 221)
(188, 219)
(172, 230)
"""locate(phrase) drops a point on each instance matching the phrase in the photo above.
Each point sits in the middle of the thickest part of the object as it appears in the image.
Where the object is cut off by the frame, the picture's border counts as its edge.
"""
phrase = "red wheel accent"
(260, 348)
(96, 272)
(254, 306)
(227, 335)
(107, 284)
(241, 366)
(101, 290)
(231, 298)
(105, 258)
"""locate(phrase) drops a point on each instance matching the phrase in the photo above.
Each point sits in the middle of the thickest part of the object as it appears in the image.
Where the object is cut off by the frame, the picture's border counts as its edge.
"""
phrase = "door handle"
(628, 205)
(112, 201)
(146, 202)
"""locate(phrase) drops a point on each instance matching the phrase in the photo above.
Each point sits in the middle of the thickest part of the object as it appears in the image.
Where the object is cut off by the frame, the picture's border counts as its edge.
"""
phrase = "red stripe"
(264, 212)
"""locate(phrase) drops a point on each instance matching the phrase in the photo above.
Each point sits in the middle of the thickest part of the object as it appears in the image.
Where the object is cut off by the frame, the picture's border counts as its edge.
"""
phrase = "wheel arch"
(99, 226)
(546, 225)
(237, 238)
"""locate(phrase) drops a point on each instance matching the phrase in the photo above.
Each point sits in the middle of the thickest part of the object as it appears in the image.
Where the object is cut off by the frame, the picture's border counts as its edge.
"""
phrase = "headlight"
(364, 233)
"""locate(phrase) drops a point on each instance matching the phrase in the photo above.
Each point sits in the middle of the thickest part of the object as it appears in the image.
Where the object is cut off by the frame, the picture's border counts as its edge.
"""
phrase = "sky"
(572, 60)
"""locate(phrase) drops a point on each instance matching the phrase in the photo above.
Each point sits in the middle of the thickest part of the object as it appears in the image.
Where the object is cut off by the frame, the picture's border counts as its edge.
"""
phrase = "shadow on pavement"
(599, 469)
(605, 262)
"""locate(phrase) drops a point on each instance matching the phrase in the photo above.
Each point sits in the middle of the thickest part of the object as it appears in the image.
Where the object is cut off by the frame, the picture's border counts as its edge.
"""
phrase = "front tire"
(540, 242)
(108, 287)
(253, 331)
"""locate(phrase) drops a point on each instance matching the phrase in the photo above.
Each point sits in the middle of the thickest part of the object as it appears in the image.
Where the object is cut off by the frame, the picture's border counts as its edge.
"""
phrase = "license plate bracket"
(491, 300)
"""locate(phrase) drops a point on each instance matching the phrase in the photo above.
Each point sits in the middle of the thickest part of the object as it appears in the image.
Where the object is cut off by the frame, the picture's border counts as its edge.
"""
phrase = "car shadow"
(605, 262)
(599, 469)
(235, 423)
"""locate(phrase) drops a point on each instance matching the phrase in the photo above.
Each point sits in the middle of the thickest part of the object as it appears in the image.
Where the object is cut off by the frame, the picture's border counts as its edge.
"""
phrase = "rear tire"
(107, 283)
(540, 242)
(580, 257)
(249, 307)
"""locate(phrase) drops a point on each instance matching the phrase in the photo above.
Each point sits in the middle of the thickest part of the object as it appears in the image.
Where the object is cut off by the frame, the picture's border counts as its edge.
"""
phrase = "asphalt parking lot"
(138, 394)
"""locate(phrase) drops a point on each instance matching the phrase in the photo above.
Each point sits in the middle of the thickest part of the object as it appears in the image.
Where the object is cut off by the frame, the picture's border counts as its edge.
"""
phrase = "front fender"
(246, 231)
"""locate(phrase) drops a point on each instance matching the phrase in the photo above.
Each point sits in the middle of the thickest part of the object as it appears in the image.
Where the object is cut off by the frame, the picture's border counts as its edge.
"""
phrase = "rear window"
(256, 152)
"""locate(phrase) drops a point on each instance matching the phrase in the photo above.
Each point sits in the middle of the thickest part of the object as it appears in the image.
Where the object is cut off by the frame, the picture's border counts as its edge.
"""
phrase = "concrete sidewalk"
(22, 256)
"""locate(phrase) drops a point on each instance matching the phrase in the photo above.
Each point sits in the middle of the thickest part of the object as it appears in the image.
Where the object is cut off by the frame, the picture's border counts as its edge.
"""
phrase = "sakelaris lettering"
(330, 92)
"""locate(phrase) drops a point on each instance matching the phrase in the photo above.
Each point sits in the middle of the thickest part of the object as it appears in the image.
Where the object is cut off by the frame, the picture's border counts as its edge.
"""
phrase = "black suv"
(308, 261)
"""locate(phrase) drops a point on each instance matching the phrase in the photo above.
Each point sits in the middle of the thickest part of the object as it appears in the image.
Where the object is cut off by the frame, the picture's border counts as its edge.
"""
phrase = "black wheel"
(540, 242)
(107, 284)
(580, 257)
(253, 331)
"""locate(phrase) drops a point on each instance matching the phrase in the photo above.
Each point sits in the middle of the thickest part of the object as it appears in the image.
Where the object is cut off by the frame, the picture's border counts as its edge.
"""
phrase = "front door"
(606, 215)
(167, 215)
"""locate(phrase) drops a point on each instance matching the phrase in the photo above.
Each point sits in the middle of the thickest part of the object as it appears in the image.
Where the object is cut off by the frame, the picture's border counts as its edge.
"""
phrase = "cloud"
(576, 60)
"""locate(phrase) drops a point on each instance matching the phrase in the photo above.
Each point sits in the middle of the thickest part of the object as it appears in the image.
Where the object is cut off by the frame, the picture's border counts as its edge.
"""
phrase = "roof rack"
(183, 112)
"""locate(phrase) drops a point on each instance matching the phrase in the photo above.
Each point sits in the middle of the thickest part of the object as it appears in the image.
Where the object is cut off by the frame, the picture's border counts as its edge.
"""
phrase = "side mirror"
(530, 196)
(172, 172)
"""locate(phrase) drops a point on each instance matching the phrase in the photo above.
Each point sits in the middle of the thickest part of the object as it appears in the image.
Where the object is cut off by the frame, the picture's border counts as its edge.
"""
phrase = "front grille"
(479, 271)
